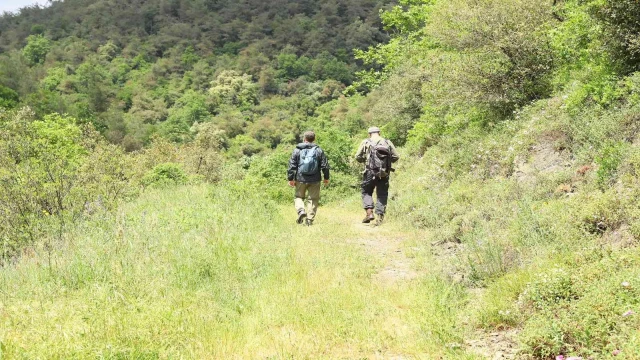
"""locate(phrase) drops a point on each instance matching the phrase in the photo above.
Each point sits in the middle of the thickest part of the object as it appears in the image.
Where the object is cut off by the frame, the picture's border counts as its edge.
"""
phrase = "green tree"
(619, 19)
(108, 51)
(290, 66)
(231, 88)
(204, 154)
(8, 98)
(189, 57)
(51, 172)
(36, 49)
(189, 109)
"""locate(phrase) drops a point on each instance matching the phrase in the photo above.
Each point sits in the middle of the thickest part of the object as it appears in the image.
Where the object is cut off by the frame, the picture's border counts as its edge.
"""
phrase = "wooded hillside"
(135, 69)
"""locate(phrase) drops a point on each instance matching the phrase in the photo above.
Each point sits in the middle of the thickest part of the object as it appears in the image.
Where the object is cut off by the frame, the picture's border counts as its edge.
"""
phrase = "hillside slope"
(144, 69)
(513, 220)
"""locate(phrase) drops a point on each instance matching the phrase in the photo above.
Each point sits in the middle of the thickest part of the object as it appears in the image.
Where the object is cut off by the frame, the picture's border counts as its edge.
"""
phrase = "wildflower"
(616, 352)
(625, 284)
(559, 357)
(628, 313)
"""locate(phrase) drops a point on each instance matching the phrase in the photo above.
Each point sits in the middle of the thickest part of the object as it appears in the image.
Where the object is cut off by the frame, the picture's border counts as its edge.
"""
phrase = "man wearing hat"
(377, 154)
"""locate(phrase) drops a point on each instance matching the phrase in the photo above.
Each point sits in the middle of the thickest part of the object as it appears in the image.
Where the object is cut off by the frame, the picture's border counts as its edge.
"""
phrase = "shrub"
(608, 162)
(52, 172)
(621, 30)
(502, 54)
(584, 310)
(549, 288)
(204, 154)
(8, 98)
(166, 174)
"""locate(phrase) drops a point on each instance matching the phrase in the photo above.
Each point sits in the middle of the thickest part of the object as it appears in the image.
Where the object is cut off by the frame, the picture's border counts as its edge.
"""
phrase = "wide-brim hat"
(374, 129)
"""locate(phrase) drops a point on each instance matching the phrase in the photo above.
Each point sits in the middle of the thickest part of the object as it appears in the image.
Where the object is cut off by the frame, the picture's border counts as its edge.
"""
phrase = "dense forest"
(136, 69)
(153, 136)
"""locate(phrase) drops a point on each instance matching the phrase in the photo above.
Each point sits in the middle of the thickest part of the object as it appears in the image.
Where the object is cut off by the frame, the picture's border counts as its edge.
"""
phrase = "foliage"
(205, 153)
(608, 163)
(36, 49)
(621, 30)
(164, 175)
(150, 71)
(407, 21)
(519, 122)
(231, 88)
(8, 98)
(50, 177)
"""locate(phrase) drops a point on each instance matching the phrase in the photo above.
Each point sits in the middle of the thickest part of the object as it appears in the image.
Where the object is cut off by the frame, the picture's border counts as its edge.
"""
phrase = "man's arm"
(293, 165)
(324, 165)
(361, 155)
(394, 153)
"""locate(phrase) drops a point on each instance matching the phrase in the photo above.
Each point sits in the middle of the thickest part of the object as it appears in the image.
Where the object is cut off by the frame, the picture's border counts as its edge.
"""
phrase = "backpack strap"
(314, 147)
(370, 143)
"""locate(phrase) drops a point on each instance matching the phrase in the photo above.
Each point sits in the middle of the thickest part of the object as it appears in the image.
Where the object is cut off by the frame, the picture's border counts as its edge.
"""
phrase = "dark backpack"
(380, 158)
(308, 163)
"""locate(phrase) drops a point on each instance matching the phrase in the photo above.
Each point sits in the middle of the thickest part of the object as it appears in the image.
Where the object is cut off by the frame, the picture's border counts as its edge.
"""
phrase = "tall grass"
(195, 272)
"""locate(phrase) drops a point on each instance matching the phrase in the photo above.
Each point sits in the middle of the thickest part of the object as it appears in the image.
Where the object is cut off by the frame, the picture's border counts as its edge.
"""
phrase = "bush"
(550, 288)
(581, 311)
(502, 55)
(8, 98)
(166, 174)
(52, 172)
(204, 154)
(621, 30)
(608, 162)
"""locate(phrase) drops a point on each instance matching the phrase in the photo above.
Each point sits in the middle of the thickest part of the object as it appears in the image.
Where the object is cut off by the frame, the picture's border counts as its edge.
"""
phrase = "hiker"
(377, 154)
(305, 167)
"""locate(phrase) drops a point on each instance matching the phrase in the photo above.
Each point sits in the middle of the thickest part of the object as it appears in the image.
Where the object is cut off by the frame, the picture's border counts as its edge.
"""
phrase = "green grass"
(195, 272)
(219, 272)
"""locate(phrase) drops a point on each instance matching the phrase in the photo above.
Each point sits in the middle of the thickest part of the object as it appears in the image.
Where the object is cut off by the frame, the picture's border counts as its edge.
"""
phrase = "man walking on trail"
(307, 166)
(378, 155)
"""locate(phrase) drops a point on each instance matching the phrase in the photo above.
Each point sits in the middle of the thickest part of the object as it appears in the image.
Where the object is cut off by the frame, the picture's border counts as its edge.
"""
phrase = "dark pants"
(369, 183)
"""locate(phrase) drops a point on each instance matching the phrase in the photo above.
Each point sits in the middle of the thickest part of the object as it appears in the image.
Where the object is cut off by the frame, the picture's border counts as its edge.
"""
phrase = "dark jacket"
(293, 174)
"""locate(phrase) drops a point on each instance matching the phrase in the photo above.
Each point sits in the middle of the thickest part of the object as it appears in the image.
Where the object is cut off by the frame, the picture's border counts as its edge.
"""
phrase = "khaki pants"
(314, 198)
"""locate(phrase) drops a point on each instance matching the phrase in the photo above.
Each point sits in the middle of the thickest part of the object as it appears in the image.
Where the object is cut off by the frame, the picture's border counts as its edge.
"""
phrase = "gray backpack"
(380, 158)
(308, 163)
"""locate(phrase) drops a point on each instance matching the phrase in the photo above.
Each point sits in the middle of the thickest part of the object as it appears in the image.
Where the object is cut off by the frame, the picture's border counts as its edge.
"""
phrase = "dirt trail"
(386, 243)
(382, 243)
(495, 345)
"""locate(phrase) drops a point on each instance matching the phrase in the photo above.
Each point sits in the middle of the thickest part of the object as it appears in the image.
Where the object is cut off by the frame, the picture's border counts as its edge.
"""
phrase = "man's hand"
(326, 183)
(292, 183)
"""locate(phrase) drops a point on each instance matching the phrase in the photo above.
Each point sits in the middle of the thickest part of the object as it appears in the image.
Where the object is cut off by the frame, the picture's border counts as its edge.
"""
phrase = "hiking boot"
(380, 219)
(308, 222)
(301, 216)
(369, 217)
